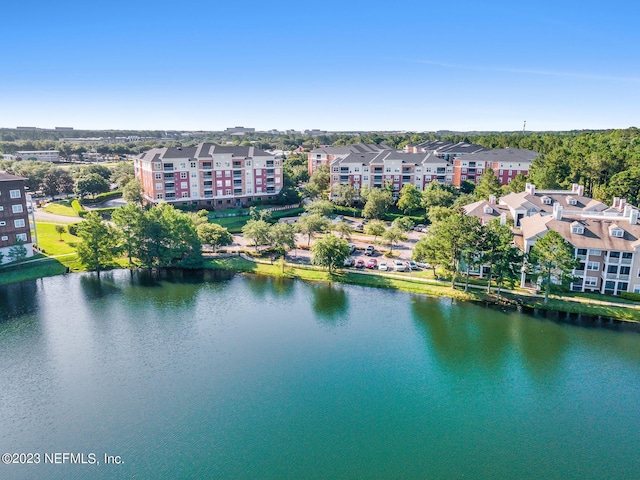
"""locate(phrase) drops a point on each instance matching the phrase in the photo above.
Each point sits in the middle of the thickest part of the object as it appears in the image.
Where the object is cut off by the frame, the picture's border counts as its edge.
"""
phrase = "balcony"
(440, 171)
(170, 190)
(344, 178)
(615, 276)
(581, 257)
(578, 273)
(237, 164)
(344, 169)
(167, 168)
(271, 190)
(208, 195)
(168, 176)
(269, 163)
(270, 183)
(237, 183)
(377, 170)
(206, 166)
(270, 171)
(208, 184)
(407, 170)
(207, 176)
(625, 261)
(406, 179)
(237, 191)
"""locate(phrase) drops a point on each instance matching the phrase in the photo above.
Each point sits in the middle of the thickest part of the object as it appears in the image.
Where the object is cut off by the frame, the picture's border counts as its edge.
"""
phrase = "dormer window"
(572, 201)
(616, 232)
(488, 209)
(546, 200)
(577, 228)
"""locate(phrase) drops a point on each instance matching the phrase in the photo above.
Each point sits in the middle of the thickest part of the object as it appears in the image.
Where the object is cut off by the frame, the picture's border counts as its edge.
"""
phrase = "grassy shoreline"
(52, 266)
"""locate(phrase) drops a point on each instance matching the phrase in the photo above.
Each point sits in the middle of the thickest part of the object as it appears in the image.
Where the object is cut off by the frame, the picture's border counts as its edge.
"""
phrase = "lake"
(243, 377)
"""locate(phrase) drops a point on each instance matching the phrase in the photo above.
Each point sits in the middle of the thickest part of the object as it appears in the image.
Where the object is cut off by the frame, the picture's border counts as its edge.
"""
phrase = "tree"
(311, 224)
(393, 235)
(17, 252)
(343, 229)
(489, 185)
(50, 186)
(60, 230)
(410, 198)
(318, 183)
(132, 191)
(129, 221)
(214, 235)
(435, 195)
(375, 228)
(625, 184)
(440, 213)
(256, 230)
(87, 170)
(378, 202)
(446, 240)
(517, 184)
(471, 251)
(98, 242)
(330, 252)
(66, 184)
(428, 250)
(345, 195)
(92, 184)
(122, 174)
(552, 256)
(320, 207)
(282, 237)
(403, 223)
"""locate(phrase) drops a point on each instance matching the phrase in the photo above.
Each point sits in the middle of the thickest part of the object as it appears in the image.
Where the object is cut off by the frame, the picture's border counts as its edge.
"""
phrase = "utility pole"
(524, 127)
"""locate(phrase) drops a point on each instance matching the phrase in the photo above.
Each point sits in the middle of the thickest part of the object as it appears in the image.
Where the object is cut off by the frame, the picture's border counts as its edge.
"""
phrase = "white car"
(383, 267)
(400, 266)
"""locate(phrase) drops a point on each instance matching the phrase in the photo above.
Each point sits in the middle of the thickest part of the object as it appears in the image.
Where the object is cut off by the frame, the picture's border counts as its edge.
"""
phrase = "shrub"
(630, 296)
(75, 204)
(102, 197)
(73, 229)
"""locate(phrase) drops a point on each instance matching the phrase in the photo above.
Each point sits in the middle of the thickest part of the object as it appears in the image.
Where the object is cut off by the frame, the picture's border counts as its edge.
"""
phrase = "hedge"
(630, 296)
(75, 204)
(102, 197)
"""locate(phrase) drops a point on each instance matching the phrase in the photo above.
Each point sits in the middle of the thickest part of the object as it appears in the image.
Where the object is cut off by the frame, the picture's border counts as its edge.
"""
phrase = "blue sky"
(350, 65)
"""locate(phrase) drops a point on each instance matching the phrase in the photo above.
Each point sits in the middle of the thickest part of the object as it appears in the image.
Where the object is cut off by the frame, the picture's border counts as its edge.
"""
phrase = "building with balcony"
(209, 175)
(607, 244)
(14, 216)
(325, 155)
(39, 155)
(506, 163)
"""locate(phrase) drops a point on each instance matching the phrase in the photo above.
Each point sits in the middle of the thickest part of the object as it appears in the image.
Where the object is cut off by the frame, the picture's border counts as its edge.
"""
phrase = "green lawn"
(49, 240)
(31, 270)
(61, 207)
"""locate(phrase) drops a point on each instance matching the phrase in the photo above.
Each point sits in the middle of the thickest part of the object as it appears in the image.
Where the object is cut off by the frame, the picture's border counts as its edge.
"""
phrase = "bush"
(631, 296)
(73, 229)
(75, 204)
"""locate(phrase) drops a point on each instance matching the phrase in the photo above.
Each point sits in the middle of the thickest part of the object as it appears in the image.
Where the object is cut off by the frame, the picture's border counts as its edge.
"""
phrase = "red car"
(372, 263)
(359, 263)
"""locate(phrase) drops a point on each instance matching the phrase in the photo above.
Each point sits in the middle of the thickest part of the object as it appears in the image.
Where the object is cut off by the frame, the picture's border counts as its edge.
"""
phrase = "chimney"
(627, 210)
(492, 199)
(530, 188)
(557, 211)
(623, 202)
(574, 188)
(503, 219)
(580, 190)
(633, 218)
(616, 202)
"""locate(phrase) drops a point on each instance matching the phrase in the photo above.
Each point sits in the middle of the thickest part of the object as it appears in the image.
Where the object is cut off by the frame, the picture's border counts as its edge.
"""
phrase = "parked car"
(349, 262)
(359, 226)
(352, 247)
(418, 227)
(370, 250)
(384, 267)
(372, 263)
(400, 266)
(423, 265)
(359, 263)
(412, 265)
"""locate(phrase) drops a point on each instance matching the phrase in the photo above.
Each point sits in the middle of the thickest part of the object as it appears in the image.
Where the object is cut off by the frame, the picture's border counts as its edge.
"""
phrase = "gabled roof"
(7, 177)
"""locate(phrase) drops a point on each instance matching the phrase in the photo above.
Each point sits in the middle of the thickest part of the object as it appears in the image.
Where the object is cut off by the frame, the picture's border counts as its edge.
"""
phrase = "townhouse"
(14, 215)
(209, 175)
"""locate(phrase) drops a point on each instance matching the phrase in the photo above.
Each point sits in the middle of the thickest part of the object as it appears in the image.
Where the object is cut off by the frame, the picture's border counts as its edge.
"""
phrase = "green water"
(251, 378)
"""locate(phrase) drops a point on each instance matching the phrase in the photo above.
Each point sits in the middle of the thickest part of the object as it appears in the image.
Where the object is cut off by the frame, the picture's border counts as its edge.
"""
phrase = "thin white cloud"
(548, 73)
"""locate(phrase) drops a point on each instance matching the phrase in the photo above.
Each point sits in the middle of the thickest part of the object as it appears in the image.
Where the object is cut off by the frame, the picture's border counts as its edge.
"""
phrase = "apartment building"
(39, 155)
(14, 215)
(445, 150)
(506, 163)
(209, 175)
(376, 170)
(325, 155)
(606, 243)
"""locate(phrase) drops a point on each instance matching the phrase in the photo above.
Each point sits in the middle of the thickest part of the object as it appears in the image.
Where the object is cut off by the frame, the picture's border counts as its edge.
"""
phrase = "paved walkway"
(42, 216)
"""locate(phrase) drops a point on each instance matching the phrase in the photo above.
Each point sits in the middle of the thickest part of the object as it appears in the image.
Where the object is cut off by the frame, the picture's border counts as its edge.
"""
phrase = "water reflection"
(96, 286)
(330, 303)
(464, 338)
(18, 299)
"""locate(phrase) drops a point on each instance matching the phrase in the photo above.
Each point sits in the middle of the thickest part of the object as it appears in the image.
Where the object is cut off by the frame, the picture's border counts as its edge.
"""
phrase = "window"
(247, 163)
(5, 238)
(336, 169)
(185, 195)
(1, 208)
(18, 223)
(183, 175)
(157, 166)
(625, 270)
(227, 191)
(365, 178)
(593, 266)
(194, 175)
(463, 177)
(14, 193)
(158, 186)
(227, 173)
(612, 269)
(194, 164)
(158, 196)
(595, 252)
(387, 170)
(158, 176)
(356, 169)
(184, 184)
(616, 232)
(3, 223)
(16, 208)
(591, 281)
(579, 229)
(21, 237)
(183, 165)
